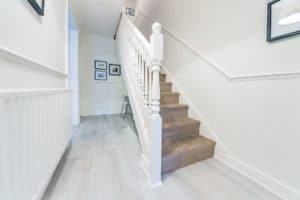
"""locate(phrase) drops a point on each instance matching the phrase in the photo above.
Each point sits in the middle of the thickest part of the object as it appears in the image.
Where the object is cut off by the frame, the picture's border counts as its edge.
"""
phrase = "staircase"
(182, 144)
(169, 138)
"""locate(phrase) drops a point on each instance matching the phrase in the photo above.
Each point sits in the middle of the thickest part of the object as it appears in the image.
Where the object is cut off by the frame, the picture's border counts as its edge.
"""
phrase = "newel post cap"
(156, 44)
(156, 27)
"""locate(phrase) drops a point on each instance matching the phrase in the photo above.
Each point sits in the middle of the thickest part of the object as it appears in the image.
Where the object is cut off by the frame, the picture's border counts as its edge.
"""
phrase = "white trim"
(218, 68)
(26, 92)
(271, 184)
(12, 56)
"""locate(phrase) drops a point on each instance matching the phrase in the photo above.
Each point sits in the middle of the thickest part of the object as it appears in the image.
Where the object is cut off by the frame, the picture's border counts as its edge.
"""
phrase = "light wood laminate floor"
(102, 163)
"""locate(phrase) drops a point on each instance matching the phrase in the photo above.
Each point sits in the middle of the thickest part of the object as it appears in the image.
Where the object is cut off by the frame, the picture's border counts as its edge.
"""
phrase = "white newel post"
(155, 152)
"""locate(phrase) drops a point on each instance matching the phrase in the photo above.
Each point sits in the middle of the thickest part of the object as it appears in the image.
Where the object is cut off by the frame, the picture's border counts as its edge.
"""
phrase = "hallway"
(103, 163)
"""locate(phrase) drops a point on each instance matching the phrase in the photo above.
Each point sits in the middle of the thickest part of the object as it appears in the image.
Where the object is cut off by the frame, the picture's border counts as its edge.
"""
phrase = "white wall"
(97, 16)
(73, 54)
(35, 106)
(221, 30)
(99, 97)
(254, 119)
(40, 39)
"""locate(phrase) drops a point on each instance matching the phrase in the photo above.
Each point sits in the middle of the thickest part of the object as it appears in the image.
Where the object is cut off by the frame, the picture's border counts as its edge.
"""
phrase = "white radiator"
(35, 128)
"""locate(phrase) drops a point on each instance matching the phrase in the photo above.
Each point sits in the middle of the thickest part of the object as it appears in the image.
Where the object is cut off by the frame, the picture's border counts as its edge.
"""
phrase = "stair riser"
(182, 143)
(162, 77)
(176, 162)
(171, 135)
(165, 88)
(169, 140)
(173, 114)
(169, 99)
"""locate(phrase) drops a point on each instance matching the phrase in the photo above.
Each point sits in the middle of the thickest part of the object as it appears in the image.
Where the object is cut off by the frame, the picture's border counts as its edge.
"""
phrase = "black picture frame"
(96, 62)
(112, 71)
(97, 77)
(269, 25)
(39, 9)
(130, 11)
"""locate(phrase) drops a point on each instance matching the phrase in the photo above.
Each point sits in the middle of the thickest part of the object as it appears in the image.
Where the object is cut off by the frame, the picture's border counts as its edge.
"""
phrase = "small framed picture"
(277, 29)
(38, 5)
(114, 70)
(100, 75)
(102, 65)
(130, 11)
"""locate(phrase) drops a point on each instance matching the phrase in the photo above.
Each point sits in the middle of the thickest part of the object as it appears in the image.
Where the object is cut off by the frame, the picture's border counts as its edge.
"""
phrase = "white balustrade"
(141, 62)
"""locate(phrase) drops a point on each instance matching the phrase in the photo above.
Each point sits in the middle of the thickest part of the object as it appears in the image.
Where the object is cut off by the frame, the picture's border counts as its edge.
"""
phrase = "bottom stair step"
(186, 152)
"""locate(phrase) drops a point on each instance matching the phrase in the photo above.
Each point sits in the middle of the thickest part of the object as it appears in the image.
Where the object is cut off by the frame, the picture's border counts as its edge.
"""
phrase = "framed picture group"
(102, 70)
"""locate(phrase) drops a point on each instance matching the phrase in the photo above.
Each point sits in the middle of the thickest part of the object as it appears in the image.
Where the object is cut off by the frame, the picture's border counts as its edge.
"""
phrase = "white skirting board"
(271, 184)
(35, 129)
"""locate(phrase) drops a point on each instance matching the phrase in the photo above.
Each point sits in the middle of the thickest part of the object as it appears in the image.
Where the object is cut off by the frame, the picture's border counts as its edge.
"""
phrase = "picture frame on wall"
(130, 11)
(38, 5)
(115, 70)
(275, 30)
(101, 65)
(100, 75)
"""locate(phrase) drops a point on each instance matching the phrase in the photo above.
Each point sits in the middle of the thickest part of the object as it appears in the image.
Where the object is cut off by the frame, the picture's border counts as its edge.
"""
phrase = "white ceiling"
(97, 16)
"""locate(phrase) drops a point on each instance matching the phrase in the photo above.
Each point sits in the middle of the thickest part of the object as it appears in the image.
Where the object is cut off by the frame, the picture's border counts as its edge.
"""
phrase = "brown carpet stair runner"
(182, 143)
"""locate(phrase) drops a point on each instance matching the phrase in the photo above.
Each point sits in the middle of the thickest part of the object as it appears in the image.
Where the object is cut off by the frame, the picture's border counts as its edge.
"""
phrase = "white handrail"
(138, 34)
(141, 62)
